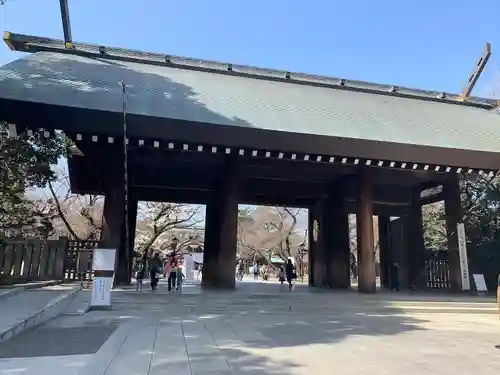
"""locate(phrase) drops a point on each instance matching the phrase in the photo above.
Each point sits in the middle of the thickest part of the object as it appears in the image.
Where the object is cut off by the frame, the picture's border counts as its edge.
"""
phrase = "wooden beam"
(478, 69)
(429, 199)
(66, 23)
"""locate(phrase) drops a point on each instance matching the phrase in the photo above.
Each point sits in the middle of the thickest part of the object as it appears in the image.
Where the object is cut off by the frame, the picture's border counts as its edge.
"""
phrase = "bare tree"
(80, 216)
(157, 221)
(64, 213)
(266, 231)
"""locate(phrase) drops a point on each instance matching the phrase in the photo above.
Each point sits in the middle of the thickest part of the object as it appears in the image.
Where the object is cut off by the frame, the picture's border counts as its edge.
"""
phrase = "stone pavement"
(262, 329)
(22, 308)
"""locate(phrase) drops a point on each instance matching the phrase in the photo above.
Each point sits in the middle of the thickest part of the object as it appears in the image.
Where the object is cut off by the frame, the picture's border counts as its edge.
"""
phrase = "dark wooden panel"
(29, 114)
(30, 260)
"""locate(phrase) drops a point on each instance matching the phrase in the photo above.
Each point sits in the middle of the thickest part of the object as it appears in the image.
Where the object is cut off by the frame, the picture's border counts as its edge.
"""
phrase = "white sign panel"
(103, 265)
(101, 292)
(188, 267)
(480, 282)
(198, 257)
(103, 260)
(462, 251)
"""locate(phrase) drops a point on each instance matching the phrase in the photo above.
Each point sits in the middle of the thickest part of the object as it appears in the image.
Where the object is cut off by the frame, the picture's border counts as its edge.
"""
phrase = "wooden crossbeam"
(66, 23)
(478, 69)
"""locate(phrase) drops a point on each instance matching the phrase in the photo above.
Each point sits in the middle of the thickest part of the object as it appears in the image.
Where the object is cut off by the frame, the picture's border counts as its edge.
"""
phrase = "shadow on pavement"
(257, 329)
(262, 329)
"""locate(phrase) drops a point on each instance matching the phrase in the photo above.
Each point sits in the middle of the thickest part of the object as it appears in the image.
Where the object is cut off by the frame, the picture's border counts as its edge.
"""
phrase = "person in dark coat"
(394, 276)
(290, 273)
(155, 271)
(139, 274)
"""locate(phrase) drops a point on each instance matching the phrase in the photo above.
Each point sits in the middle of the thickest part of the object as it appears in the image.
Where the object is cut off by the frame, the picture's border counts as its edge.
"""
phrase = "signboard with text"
(462, 251)
(103, 265)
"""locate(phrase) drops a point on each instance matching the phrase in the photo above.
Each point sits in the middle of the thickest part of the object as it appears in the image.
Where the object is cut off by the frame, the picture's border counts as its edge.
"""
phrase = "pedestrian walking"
(394, 277)
(256, 271)
(180, 277)
(139, 274)
(290, 273)
(281, 275)
(172, 276)
(155, 271)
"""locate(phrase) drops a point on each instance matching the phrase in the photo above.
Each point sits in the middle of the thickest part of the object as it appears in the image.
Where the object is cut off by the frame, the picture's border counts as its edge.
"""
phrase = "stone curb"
(79, 312)
(84, 307)
(9, 291)
(53, 309)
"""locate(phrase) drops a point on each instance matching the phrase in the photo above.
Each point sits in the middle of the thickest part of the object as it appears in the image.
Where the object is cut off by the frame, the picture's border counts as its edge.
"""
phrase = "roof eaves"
(33, 44)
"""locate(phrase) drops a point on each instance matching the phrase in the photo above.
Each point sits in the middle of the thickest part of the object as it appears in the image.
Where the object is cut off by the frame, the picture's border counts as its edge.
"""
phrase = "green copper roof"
(237, 100)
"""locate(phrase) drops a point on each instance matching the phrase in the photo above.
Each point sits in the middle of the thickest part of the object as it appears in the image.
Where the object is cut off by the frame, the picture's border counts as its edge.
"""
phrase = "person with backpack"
(139, 274)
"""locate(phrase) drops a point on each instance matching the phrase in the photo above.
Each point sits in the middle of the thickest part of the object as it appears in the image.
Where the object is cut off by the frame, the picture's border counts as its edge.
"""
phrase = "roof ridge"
(33, 44)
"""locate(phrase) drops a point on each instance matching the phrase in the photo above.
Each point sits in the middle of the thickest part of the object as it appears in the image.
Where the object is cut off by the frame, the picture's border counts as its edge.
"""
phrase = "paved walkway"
(260, 329)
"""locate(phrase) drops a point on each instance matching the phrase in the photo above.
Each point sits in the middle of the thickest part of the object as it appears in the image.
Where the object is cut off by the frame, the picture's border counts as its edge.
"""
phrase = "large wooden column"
(337, 232)
(112, 236)
(364, 226)
(311, 254)
(384, 249)
(415, 242)
(316, 248)
(329, 244)
(221, 228)
(132, 221)
(453, 211)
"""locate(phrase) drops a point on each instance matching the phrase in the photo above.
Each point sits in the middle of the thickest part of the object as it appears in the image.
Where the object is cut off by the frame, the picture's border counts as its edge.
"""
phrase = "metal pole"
(125, 175)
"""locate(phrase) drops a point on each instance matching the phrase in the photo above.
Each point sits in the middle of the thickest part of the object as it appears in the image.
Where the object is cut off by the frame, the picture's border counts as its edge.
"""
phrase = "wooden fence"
(33, 260)
(38, 260)
(438, 270)
(78, 264)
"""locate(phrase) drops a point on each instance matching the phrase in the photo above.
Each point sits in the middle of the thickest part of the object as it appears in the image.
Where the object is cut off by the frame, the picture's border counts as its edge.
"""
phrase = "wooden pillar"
(337, 233)
(311, 254)
(132, 221)
(453, 211)
(316, 245)
(384, 249)
(221, 230)
(364, 226)
(112, 235)
(415, 242)
(329, 242)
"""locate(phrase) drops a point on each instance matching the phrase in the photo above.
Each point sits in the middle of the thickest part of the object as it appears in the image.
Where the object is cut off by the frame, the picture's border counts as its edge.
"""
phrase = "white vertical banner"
(103, 265)
(188, 267)
(462, 251)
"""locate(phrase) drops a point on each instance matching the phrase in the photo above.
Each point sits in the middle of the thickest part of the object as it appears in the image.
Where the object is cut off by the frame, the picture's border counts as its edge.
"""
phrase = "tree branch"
(61, 213)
